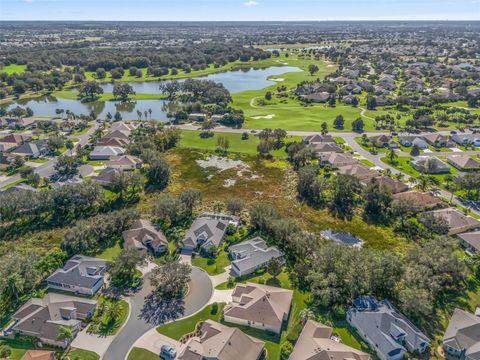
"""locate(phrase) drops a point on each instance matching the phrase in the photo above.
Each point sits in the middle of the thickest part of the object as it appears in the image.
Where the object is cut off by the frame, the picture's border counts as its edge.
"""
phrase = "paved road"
(47, 169)
(200, 292)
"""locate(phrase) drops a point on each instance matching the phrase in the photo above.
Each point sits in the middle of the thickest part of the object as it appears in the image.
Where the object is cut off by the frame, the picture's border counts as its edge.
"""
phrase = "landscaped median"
(109, 317)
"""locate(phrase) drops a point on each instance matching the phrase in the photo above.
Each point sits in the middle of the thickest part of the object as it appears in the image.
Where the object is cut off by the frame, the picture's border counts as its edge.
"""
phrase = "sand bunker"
(270, 116)
(277, 79)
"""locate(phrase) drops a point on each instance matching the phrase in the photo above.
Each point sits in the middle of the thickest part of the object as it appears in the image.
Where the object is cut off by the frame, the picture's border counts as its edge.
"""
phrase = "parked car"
(453, 132)
(167, 352)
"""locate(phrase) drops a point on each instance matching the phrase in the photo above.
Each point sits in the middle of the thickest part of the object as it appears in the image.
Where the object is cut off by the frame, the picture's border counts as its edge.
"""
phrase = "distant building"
(105, 177)
(125, 162)
(251, 255)
(316, 342)
(388, 332)
(259, 306)
(424, 200)
(361, 172)
(32, 149)
(80, 275)
(462, 338)
(393, 185)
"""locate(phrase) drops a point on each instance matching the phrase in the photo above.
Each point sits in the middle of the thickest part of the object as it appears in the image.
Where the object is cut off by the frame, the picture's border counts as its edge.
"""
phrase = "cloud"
(251, 3)
(28, 1)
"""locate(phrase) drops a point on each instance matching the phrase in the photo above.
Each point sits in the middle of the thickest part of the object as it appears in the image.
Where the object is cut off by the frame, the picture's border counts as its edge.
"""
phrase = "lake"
(234, 81)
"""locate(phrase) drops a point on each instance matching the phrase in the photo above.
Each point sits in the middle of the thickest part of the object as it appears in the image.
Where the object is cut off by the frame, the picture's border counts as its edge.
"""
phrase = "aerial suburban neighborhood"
(219, 181)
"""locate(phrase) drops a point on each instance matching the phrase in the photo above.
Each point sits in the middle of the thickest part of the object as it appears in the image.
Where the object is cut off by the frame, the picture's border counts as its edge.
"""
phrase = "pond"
(46, 106)
(234, 81)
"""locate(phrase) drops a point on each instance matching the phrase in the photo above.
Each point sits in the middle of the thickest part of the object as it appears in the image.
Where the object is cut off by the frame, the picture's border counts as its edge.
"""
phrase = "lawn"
(177, 329)
(403, 164)
(261, 277)
(110, 253)
(191, 139)
(142, 354)
(83, 355)
(13, 69)
(214, 265)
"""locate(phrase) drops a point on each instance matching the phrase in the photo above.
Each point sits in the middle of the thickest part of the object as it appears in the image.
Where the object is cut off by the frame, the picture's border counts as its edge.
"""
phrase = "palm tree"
(392, 156)
(113, 311)
(424, 183)
(66, 334)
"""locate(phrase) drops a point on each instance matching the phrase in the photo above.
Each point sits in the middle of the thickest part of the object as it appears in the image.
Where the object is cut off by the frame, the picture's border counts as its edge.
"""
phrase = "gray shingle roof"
(381, 322)
(463, 333)
(208, 230)
(252, 253)
(81, 271)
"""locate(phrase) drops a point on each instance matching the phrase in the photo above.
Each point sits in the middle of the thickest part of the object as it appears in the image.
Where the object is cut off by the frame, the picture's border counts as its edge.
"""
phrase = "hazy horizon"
(239, 10)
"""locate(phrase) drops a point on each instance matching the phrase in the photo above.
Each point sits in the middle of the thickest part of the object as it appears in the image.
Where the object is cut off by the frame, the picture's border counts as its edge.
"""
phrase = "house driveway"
(91, 342)
(153, 341)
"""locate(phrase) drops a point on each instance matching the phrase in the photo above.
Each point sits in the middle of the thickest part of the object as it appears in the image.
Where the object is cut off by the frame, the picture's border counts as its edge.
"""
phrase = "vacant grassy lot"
(191, 139)
(213, 266)
(13, 69)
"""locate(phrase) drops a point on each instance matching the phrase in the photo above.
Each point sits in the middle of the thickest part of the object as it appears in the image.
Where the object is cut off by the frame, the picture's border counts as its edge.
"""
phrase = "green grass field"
(213, 266)
(191, 139)
(13, 69)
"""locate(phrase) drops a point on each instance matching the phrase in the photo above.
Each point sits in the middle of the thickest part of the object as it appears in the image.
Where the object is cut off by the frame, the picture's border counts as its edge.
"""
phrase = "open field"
(13, 69)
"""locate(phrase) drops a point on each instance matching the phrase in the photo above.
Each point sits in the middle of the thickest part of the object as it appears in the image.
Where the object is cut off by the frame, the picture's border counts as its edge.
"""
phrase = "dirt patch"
(214, 165)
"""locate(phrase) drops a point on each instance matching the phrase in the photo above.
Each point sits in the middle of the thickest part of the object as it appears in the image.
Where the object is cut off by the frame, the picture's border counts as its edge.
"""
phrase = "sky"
(239, 10)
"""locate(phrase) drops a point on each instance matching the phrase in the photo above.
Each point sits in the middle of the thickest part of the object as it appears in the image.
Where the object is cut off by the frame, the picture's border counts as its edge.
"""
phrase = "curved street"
(200, 292)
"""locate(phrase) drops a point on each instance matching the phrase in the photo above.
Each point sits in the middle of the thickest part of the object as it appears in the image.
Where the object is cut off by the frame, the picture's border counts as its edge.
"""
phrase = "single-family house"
(32, 149)
(318, 138)
(319, 148)
(219, 342)
(11, 141)
(320, 97)
(43, 318)
(63, 181)
(424, 200)
(114, 142)
(143, 235)
(462, 337)
(411, 140)
(388, 332)
(335, 159)
(105, 177)
(18, 188)
(251, 255)
(217, 118)
(470, 241)
(117, 134)
(342, 238)
(259, 306)
(381, 141)
(23, 123)
(125, 162)
(80, 275)
(437, 140)
(467, 139)
(457, 221)
(207, 231)
(429, 165)
(38, 355)
(393, 185)
(317, 342)
(361, 172)
(197, 117)
(463, 162)
(6, 158)
(105, 152)
(122, 126)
